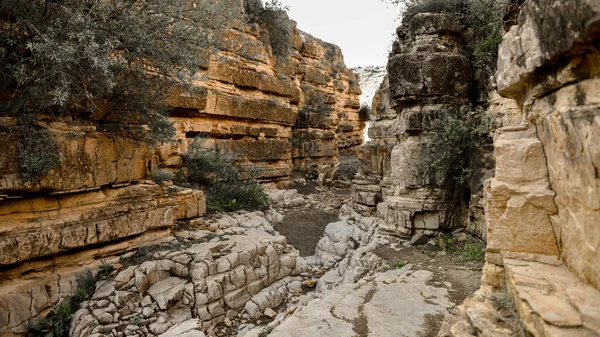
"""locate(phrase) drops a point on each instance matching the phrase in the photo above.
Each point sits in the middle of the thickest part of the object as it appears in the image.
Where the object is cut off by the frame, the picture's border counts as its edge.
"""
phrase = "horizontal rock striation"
(277, 112)
(428, 72)
(542, 206)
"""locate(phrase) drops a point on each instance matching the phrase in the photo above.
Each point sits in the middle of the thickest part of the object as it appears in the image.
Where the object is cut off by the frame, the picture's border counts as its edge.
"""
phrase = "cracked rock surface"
(395, 303)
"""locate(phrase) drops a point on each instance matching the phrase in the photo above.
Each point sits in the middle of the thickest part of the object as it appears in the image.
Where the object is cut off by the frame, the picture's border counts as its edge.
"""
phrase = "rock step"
(551, 300)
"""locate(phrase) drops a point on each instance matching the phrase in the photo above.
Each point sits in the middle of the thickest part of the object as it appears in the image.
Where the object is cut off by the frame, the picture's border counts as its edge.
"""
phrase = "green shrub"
(161, 177)
(38, 153)
(272, 16)
(71, 57)
(485, 17)
(229, 187)
(457, 136)
(58, 321)
(400, 265)
(474, 252)
(365, 113)
(444, 242)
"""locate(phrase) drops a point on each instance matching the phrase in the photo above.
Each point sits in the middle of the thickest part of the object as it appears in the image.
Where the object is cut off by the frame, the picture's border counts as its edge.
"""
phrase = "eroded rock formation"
(277, 113)
(428, 72)
(542, 206)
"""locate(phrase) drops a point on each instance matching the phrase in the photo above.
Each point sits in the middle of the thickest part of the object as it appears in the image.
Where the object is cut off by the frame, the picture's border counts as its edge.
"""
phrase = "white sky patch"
(364, 29)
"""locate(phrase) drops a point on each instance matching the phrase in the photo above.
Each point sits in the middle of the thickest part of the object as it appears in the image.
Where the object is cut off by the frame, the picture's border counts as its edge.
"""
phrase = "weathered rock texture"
(428, 72)
(275, 112)
(203, 283)
(543, 206)
(278, 112)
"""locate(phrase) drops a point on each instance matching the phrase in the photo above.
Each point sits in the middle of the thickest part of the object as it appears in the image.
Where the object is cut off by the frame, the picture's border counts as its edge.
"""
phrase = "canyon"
(394, 249)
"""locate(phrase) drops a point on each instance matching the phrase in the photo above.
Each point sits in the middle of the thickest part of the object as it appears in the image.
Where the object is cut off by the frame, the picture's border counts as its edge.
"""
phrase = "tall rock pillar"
(429, 72)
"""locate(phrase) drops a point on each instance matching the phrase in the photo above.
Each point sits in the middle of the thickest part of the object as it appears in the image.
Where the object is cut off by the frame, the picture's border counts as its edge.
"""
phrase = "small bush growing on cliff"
(365, 113)
(273, 17)
(38, 152)
(484, 17)
(458, 135)
(228, 186)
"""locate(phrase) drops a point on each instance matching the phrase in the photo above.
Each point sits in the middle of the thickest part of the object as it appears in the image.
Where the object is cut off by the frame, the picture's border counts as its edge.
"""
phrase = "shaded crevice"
(557, 238)
(361, 324)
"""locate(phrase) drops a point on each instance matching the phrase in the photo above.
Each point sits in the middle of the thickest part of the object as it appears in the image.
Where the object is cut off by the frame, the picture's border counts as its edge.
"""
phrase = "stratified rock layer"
(276, 112)
(543, 206)
(427, 73)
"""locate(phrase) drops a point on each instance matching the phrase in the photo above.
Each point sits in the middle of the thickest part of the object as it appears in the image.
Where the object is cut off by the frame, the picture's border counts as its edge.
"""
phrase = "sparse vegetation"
(400, 265)
(161, 177)
(507, 313)
(229, 187)
(473, 252)
(484, 16)
(105, 269)
(273, 17)
(458, 135)
(58, 321)
(38, 153)
(365, 113)
(444, 242)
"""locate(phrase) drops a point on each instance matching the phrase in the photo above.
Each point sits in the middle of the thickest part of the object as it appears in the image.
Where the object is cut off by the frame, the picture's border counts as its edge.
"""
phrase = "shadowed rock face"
(543, 204)
(428, 72)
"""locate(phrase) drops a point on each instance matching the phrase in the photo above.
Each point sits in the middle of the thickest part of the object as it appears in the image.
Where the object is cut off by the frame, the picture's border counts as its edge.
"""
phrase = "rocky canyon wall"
(428, 72)
(276, 113)
(542, 206)
(278, 110)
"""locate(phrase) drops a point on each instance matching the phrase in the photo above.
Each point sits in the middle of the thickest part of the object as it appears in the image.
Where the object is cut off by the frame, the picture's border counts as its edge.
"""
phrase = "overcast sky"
(362, 28)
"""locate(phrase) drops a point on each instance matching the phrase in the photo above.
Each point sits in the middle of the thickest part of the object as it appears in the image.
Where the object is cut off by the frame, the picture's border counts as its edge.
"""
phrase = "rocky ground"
(310, 265)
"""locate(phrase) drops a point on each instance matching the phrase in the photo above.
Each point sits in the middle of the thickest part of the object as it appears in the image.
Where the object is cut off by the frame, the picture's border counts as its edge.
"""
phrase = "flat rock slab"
(395, 303)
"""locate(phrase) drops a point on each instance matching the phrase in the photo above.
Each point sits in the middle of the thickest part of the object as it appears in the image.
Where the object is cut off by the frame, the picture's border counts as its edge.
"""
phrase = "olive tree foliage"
(272, 16)
(114, 61)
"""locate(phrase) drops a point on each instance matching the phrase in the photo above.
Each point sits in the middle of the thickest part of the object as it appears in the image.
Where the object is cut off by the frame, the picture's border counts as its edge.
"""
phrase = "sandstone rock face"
(554, 78)
(427, 73)
(89, 160)
(33, 228)
(277, 112)
(542, 206)
(196, 287)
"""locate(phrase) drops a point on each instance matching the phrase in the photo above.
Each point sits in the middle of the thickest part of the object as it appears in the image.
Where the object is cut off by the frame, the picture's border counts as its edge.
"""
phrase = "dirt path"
(303, 228)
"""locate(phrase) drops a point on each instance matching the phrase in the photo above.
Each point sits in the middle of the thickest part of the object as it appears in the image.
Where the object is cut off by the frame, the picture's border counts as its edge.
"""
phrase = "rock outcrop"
(275, 112)
(205, 283)
(428, 72)
(542, 206)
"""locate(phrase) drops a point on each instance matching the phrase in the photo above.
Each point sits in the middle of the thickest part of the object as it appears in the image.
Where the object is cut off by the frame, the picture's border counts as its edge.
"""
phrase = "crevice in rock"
(556, 236)
(361, 324)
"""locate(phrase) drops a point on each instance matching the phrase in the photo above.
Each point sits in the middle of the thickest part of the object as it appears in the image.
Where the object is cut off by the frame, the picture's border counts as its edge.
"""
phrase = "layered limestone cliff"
(275, 113)
(276, 110)
(428, 72)
(543, 206)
